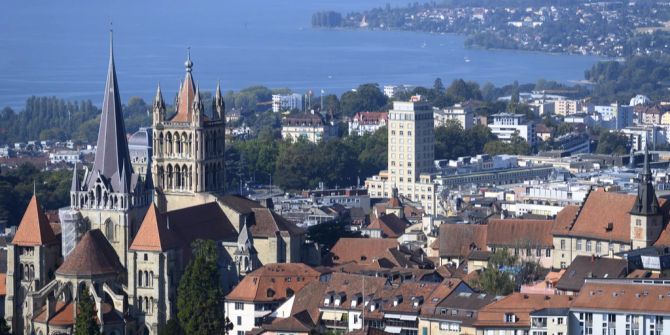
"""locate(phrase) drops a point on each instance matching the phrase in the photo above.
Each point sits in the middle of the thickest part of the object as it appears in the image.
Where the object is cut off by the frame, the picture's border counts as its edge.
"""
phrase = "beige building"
(608, 223)
(458, 113)
(567, 107)
(411, 152)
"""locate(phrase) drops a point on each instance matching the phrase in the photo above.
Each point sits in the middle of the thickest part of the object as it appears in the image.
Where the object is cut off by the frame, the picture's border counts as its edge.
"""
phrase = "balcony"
(336, 324)
(539, 323)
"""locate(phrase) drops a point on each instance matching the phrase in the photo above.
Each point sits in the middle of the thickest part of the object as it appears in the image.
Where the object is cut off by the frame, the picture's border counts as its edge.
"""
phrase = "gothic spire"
(646, 202)
(158, 100)
(111, 156)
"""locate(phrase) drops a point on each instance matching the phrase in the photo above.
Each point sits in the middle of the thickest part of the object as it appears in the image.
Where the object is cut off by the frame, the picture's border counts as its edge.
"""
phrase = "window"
(638, 222)
(562, 244)
(599, 247)
(548, 252)
(239, 320)
(588, 245)
(559, 321)
(538, 252)
(240, 332)
(239, 306)
(579, 244)
(510, 318)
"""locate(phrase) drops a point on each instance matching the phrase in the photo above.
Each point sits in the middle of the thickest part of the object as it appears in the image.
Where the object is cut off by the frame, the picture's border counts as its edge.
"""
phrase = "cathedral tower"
(645, 216)
(111, 197)
(188, 155)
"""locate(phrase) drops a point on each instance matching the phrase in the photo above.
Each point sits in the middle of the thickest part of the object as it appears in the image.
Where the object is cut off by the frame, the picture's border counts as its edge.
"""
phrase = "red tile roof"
(390, 225)
(361, 250)
(638, 298)
(601, 208)
(34, 228)
(520, 305)
(92, 256)
(520, 233)
(63, 315)
(154, 233)
(273, 282)
(459, 239)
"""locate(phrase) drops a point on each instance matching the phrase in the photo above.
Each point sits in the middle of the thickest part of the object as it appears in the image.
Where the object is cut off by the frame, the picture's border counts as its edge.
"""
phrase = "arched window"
(289, 292)
(139, 278)
(151, 279)
(146, 279)
(139, 304)
(146, 304)
(151, 304)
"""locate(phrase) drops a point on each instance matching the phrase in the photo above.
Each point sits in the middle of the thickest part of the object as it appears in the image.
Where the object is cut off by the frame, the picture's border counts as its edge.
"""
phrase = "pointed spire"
(111, 156)
(34, 229)
(646, 202)
(218, 103)
(186, 94)
(158, 100)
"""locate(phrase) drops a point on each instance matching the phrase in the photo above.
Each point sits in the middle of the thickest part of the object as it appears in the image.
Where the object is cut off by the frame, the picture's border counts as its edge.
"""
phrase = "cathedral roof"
(155, 233)
(92, 256)
(111, 157)
(34, 228)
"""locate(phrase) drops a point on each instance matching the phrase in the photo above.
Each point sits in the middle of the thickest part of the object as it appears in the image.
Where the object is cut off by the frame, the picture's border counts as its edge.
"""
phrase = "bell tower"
(188, 161)
(646, 218)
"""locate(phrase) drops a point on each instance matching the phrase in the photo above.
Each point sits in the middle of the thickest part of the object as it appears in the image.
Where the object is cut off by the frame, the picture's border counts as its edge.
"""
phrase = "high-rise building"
(411, 152)
(188, 146)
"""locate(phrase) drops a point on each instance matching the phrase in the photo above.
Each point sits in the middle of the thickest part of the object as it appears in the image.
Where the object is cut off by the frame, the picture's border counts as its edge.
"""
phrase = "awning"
(394, 330)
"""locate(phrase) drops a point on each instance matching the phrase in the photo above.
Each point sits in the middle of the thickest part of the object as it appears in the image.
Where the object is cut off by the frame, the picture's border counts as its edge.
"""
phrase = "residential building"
(456, 241)
(286, 102)
(65, 156)
(528, 240)
(621, 307)
(392, 91)
(367, 122)
(507, 125)
(567, 107)
(261, 292)
(452, 310)
(310, 126)
(458, 113)
(590, 267)
(643, 136)
(511, 315)
(650, 115)
(614, 116)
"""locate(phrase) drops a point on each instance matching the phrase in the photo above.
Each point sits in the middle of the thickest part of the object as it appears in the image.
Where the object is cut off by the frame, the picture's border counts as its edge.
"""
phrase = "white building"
(367, 122)
(643, 136)
(462, 115)
(67, 156)
(310, 126)
(614, 116)
(392, 90)
(505, 125)
(606, 307)
(284, 102)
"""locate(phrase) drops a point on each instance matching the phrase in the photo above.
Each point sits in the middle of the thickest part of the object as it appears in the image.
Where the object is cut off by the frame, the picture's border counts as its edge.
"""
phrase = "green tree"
(493, 279)
(200, 297)
(85, 323)
(612, 143)
(4, 328)
(171, 328)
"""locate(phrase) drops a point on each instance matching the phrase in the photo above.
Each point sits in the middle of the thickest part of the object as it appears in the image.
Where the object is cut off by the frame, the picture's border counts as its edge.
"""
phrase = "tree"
(85, 323)
(438, 86)
(612, 143)
(493, 279)
(4, 328)
(171, 328)
(200, 297)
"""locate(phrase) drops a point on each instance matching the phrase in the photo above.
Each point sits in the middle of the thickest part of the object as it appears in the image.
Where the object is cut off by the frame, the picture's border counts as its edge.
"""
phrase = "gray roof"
(111, 157)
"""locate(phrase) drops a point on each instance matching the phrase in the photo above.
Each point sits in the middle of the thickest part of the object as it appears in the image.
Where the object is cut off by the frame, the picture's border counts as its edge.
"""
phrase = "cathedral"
(132, 219)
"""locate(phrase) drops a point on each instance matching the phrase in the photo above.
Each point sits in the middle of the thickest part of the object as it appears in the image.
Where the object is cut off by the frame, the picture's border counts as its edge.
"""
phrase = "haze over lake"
(60, 49)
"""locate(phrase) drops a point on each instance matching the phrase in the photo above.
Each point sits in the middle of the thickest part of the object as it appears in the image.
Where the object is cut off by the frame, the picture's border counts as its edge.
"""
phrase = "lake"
(50, 48)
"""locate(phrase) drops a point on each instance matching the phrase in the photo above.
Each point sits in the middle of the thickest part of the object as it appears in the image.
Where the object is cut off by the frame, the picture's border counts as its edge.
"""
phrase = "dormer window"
(397, 300)
(270, 293)
(510, 318)
(339, 298)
